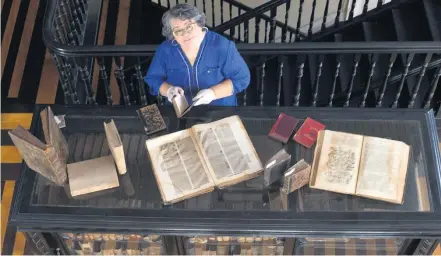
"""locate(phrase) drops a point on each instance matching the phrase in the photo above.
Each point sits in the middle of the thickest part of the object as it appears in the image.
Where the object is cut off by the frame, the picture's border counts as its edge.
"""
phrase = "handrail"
(248, 15)
(262, 16)
(244, 48)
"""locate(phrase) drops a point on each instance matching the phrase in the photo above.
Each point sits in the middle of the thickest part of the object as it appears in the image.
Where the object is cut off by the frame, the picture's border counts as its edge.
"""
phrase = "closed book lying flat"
(283, 128)
(151, 119)
(92, 175)
(308, 132)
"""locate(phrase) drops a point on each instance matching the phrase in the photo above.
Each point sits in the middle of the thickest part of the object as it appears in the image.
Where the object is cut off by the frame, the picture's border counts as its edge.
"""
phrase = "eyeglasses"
(181, 32)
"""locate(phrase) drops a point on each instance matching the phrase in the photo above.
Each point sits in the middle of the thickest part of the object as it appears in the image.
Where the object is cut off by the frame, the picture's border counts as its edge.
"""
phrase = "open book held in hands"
(360, 165)
(48, 159)
(194, 161)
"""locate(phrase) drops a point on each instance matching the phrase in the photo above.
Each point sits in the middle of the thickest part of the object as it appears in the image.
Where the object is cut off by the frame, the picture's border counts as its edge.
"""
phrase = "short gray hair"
(182, 12)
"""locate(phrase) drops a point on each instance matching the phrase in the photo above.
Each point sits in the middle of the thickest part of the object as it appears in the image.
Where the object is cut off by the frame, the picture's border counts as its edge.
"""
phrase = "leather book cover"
(283, 128)
(275, 167)
(40, 157)
(308, 132)
(151, 119)
(53, 134)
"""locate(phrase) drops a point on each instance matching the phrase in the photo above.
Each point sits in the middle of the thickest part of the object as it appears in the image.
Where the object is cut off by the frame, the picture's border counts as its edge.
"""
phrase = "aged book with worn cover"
(275, 167)
(151, 119)
(359, 165)
(48, 159)
(296, 176)
(307, 134)
(180, 104)
(283, 128)
(196, 160)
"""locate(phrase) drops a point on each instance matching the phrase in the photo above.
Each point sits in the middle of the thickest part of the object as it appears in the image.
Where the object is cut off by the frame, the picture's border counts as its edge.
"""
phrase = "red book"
(283, 128)
(308, 132)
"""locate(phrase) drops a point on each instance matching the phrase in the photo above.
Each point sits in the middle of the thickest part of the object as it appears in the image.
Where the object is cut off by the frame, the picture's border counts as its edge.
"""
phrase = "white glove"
(204, 97)
(174, 91)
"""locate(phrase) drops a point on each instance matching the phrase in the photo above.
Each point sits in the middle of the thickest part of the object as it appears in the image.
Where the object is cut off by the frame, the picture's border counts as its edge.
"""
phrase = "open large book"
(196, 160)
(360, 165)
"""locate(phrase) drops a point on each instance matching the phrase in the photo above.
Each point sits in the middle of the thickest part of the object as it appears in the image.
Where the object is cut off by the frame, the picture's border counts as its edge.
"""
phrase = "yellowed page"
(228, 150)
(336, 167)
(383, 169)
(178, 165)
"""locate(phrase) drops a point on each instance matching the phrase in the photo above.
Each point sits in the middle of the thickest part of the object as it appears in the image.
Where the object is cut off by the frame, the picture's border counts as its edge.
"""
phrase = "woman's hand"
(204, 97)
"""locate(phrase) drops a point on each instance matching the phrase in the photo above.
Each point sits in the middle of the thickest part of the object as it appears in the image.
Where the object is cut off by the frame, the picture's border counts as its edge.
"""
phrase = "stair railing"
(316, 74)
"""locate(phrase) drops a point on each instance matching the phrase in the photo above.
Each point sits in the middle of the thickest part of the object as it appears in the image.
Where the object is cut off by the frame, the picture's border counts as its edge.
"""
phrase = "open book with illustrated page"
(359, 165)
(194, 161)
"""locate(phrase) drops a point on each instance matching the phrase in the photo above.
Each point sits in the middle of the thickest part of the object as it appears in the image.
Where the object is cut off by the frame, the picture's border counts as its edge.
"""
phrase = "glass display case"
(239, 219)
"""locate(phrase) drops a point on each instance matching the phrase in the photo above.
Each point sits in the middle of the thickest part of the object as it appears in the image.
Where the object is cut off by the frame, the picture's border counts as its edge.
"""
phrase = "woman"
(195, 62)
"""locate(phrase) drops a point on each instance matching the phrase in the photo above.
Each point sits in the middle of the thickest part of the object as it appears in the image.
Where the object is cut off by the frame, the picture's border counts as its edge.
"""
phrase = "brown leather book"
(48, 159)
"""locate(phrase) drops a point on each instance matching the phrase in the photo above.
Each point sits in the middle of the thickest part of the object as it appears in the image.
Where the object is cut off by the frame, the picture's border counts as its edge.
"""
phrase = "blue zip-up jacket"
(217, 60)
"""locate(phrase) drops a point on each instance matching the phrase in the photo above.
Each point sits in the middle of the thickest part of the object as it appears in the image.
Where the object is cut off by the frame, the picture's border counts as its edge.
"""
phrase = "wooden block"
(92, 175)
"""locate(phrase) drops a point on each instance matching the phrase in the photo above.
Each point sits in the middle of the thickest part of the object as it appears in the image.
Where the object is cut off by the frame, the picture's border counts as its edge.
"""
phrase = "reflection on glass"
(234, 245)
(113, 244)
(347, 246)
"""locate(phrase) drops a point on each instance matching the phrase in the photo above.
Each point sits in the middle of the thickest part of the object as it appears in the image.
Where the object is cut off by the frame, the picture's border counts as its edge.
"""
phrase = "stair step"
(433, 14)
(410, 22)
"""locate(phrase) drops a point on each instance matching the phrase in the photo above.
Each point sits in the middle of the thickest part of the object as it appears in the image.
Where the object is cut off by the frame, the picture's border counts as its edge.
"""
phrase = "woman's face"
(185, 31)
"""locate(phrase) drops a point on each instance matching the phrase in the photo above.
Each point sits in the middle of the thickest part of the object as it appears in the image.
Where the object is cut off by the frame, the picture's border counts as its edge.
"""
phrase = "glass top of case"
(86, 140)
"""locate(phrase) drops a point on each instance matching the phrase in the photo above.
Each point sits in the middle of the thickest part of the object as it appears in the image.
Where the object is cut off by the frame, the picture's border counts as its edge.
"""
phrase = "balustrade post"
(351, 83)
(374, 59)
(433, 86)
(105, 79)
(139, 77)
(120, 77)
(311, 19)
(85, 77)
(416, 88)
(299, 80)
(325, 15)
(403, 79)
(299, 20)
(317, 80)
(392, 59)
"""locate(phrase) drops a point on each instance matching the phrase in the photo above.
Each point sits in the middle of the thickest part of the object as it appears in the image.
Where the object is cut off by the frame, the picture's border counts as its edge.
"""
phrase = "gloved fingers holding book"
(174, 91)
(204, 97)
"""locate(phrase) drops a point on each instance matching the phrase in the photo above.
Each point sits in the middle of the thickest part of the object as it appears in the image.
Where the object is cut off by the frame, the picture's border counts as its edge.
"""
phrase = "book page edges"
(317, 153)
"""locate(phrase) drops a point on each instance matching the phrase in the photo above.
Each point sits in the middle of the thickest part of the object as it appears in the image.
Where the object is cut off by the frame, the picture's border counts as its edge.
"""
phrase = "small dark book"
(48, 159)
(275, 167)
(283, 128)
(151, 119)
